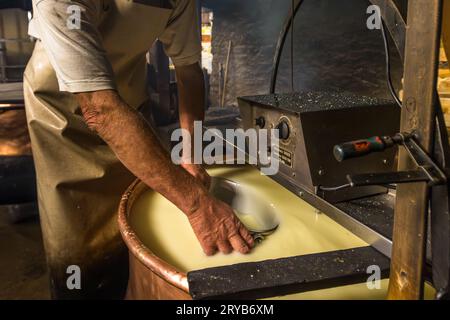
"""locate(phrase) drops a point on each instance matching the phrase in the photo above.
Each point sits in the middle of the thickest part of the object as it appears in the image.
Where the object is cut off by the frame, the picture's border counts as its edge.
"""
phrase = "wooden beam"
(446, 28)
(418, 114)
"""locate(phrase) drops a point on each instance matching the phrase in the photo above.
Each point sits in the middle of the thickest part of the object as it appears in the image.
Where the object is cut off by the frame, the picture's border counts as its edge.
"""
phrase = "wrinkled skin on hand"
(218, 229)
(216, 226)
(198, 172)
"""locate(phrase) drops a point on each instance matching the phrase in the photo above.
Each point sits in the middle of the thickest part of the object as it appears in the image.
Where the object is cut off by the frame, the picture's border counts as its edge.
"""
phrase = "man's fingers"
(239, 244)
(209, 250)
(224, 247)
(245, 234)
(207, 181)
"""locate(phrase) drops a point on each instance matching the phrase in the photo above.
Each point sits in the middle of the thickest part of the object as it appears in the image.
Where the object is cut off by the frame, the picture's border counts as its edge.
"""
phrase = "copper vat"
(150, 278)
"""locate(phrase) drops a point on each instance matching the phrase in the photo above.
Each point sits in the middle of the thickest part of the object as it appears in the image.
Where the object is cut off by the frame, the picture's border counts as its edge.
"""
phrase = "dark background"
(333, 48)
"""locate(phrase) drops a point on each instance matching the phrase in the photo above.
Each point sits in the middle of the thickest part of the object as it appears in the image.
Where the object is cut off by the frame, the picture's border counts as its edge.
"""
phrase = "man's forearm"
(191, 93)
(137, 147)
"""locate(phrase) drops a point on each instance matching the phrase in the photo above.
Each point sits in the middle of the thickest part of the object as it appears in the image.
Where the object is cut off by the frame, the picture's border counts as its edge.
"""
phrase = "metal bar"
(10, 80)
(278, 277)
(280, 44)
(370, 179)
(424, 161)
(372, 237)
(14, 66)
(225, 80)
(418, 114)
(16, 40)
(19, 4)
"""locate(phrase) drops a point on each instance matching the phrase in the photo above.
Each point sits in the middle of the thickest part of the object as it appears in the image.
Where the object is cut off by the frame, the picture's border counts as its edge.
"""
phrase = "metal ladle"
(243, 201)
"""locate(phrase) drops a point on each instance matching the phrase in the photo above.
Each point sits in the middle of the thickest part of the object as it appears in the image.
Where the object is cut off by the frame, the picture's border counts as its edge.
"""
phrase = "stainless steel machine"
(310, 124)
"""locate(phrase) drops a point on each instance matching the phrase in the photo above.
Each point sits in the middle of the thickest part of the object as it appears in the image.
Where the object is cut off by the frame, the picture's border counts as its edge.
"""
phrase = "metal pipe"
(281, 42)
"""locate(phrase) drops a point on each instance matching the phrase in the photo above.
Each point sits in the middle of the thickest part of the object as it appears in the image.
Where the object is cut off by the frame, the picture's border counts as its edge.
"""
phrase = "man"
(82, 86)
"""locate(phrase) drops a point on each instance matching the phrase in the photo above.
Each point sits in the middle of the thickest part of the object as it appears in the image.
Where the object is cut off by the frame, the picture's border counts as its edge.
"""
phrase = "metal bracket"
(427, 170)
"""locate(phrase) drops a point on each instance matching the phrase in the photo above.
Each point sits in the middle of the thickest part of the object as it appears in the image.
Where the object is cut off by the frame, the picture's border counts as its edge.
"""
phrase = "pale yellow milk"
(165, 230)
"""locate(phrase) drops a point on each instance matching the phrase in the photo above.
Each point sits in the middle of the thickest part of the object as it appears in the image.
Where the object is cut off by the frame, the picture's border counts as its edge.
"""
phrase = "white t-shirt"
(101, 44)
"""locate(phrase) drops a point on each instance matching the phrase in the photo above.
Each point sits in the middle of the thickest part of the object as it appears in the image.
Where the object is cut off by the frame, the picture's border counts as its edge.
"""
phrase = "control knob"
(284, 130)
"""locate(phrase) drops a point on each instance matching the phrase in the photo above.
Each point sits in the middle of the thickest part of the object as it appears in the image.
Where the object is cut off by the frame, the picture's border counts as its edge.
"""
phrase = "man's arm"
(191, 93)
(136, 146)
(82, 68)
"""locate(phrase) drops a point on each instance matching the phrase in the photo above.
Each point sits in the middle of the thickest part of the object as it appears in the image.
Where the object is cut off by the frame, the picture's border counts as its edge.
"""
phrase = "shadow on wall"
(333, 48)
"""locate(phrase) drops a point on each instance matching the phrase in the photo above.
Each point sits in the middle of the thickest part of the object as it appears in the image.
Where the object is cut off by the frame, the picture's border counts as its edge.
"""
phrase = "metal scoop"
(257, 215)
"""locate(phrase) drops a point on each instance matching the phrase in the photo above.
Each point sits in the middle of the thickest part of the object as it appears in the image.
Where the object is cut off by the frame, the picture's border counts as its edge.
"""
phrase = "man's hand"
(217, 228)
(199, 173)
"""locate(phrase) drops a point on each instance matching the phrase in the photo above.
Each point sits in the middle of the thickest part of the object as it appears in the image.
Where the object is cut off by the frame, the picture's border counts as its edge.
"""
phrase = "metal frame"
(418, 46)
(427, 170)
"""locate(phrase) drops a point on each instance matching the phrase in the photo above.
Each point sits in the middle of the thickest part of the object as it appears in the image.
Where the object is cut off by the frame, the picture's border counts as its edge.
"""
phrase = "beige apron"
(80, 180)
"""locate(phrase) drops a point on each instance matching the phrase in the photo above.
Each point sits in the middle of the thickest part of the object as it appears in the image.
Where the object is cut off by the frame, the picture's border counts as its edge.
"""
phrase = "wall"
(334, 50)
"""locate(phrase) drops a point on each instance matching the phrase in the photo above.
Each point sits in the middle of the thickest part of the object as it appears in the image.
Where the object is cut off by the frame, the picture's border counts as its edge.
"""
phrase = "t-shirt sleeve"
(69, 34)
(181, 38)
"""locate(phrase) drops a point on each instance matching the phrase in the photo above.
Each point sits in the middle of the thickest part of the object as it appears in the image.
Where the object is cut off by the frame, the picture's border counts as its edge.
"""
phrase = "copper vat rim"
(158, 266)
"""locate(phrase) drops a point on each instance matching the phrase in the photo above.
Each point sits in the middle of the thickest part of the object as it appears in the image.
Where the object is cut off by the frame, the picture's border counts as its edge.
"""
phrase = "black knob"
(260, 122)
(284, 130)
